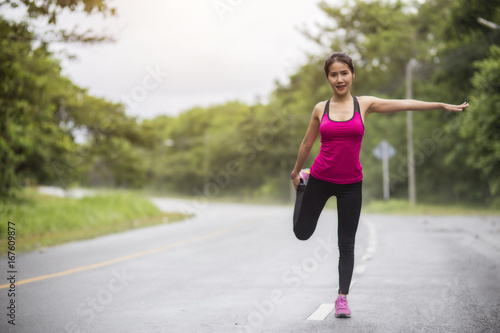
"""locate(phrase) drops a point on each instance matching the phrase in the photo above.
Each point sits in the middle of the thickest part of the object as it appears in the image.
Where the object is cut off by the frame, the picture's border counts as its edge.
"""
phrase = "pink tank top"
(338, 159)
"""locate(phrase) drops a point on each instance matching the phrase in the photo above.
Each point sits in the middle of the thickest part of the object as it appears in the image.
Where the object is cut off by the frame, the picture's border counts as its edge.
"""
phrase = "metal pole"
(409, 131)
(385, 167)
(206, 159)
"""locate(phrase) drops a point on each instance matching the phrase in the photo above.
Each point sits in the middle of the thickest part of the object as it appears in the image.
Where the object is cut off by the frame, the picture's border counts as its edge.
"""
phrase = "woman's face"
(340, 78)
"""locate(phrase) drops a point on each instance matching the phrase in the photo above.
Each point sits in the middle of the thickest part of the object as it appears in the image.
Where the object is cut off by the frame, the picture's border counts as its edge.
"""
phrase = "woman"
(337, 170)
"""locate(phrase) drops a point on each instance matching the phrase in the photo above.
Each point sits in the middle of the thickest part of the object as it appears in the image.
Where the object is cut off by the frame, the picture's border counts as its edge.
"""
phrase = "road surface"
(239, 268)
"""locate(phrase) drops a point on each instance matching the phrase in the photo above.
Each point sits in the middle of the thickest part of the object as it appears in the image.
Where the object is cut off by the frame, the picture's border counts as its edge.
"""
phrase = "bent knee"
(302, 236)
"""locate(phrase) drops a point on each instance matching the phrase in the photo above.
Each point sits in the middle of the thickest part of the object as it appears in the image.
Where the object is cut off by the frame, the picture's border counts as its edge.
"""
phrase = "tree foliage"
(43, 113)
(50, 10)
(481, 126)
(30, 90)
(55, 132)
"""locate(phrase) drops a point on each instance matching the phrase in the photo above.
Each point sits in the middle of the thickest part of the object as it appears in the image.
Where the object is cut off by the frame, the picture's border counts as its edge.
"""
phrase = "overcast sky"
(174, 55)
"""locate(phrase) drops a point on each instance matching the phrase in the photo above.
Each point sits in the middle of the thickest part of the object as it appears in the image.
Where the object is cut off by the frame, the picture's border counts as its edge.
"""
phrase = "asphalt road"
(239, 268)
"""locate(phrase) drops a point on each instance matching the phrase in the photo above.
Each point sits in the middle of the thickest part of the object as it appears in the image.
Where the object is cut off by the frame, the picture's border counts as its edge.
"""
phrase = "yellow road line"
(131, 256)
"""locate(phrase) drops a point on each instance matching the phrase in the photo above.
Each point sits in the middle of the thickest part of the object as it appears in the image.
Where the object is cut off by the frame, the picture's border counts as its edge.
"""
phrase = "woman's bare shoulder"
(320, 107)
(366, 99)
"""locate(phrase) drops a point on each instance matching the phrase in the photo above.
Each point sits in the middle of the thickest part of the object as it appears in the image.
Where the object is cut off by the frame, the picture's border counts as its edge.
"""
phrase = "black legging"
(308, 206)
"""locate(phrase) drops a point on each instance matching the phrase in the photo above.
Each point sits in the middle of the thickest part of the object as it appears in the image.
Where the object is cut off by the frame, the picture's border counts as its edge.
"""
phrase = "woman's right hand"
(296, 181)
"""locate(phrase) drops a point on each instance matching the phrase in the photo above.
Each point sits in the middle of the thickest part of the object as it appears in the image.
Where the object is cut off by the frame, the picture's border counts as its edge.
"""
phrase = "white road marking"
(371, 249)
(372, 238)
(359, 269)
(322, 312)
(366, 257)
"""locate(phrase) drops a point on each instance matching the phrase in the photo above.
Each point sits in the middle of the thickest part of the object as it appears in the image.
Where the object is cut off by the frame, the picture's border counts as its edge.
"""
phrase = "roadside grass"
(43, 220)
(403, 207)
(391, 207)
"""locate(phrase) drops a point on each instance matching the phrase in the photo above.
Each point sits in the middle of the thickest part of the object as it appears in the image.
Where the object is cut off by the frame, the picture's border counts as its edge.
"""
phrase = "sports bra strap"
(356, 104)
(327, 108)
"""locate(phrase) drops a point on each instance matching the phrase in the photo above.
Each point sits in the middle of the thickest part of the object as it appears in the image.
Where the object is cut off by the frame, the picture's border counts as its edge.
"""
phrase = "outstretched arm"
(380, 105)
(307, 143)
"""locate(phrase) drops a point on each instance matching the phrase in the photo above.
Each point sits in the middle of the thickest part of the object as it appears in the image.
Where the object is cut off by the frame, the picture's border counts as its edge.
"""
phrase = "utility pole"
(385, 167)
(206, 159)
(409, 132)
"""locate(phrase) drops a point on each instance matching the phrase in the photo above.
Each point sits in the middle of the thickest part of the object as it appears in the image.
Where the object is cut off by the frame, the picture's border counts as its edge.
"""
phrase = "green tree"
(30, 135)
(464, 42)
(34, 136)
(43, 115)
(112, 153)
(49, 11)
(481, 126)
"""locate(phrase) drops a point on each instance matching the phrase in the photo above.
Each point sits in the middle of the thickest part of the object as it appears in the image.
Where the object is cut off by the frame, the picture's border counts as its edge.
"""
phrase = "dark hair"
(338, 57)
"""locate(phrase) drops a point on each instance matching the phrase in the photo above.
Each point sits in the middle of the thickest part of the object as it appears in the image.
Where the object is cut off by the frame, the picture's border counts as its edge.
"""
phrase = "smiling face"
(340, 78)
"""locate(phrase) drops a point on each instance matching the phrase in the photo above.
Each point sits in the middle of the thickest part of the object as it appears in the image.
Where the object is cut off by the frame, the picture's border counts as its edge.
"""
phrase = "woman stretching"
(336, 170)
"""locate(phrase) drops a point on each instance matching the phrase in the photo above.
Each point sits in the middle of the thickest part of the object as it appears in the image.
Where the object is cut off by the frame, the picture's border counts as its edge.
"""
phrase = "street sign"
(384, 151)
(379, 150)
